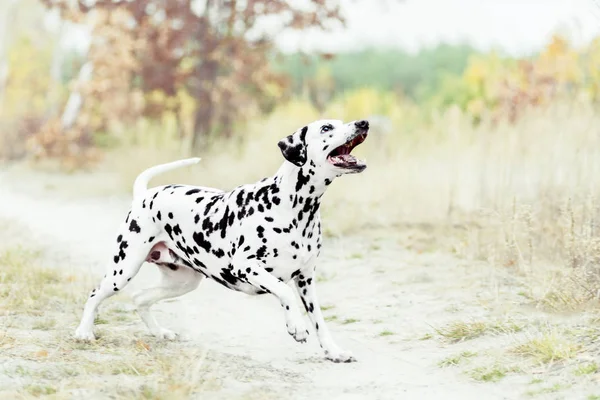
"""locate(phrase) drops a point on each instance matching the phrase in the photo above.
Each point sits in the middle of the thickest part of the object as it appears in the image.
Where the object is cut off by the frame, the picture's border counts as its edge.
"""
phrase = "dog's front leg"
(308, 294)
(258, 277)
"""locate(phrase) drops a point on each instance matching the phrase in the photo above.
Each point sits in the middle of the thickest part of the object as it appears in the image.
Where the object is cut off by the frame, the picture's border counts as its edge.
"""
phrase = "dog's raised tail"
(141, 182)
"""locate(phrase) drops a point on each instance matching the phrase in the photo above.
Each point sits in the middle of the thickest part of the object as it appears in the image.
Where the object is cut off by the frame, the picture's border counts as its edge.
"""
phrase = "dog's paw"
(298, 331)
(84, 334)
(339, 356)
(163, 333)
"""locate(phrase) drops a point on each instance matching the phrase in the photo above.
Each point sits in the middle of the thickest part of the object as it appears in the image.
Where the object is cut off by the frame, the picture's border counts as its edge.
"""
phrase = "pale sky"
(517, 26)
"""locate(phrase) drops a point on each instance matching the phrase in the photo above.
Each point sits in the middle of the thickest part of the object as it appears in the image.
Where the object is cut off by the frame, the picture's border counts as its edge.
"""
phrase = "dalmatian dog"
(255, 238)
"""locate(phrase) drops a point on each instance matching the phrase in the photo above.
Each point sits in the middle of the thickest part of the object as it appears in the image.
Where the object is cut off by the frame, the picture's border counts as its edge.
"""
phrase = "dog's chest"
(293, 251)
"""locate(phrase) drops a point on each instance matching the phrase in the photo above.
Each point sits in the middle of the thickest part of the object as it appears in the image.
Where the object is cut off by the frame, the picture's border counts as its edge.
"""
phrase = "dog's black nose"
(364, 124)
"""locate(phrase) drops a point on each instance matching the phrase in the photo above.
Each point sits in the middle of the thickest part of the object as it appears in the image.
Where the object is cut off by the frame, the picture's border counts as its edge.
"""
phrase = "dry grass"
(589, 368)
(46, 361)
(457, 359)
(459, 331)
(549, 347)
(491, 373)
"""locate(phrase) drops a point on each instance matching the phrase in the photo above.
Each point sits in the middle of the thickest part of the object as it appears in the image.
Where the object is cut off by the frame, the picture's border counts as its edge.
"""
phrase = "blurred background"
(485, 115)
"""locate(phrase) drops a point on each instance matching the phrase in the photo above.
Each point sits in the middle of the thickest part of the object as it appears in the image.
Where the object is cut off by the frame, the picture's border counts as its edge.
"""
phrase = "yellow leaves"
(28, 79)
(363, 102)
(507, 86)
(560, 61)
(475, 74)
(556, 47)
(41, 354)
(141, 345)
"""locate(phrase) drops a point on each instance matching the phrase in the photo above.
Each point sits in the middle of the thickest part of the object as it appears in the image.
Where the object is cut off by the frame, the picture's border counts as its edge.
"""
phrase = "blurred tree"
(215, 50)
(417, 76)
(321, 88)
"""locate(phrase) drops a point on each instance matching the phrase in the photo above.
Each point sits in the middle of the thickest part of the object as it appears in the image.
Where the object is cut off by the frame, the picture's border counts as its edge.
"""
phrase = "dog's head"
(327, 143)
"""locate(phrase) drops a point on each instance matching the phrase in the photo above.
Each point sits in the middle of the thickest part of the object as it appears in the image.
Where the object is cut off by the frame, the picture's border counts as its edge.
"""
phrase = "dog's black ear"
(293, 147)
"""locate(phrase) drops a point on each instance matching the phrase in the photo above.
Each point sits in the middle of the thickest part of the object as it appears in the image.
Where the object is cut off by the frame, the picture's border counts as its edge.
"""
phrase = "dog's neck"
(304, 181)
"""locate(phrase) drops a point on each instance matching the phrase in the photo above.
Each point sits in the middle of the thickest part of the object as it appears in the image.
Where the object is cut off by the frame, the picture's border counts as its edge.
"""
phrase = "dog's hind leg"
(133, 245)
(176, 280)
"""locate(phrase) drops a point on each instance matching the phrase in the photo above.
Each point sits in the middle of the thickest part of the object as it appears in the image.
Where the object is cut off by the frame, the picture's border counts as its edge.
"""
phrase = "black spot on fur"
(177, 230)
(134, 227)
(192, 191)
(261, 252)
(158, 215)
(265, 289)
(301, 180)
(303, 134)
(239, 200)
(171, 215)
(119, 238)
(169, 230)
(269, 219)
(219, 253)
(228, 277)
(150, 239)
(199, 239)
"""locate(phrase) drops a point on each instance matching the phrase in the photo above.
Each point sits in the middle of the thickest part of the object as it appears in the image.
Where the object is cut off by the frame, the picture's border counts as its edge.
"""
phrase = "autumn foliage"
(150, 56)
(504, 88)
(208, 67)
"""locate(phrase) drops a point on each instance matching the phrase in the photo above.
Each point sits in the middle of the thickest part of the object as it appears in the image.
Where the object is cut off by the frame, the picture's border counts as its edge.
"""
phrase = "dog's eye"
(326, 128)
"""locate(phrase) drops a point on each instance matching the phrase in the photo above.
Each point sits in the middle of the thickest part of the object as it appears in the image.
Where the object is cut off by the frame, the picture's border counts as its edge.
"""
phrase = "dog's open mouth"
(341, 157)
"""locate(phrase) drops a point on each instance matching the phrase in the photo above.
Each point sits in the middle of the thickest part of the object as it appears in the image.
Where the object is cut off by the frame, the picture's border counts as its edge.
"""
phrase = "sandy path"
(382, 287)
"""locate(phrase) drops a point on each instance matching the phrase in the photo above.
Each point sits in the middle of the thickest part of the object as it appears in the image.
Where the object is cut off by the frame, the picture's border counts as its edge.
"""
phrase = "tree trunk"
(6, 13)
(56, 74)
(75, 101)
(203, 119)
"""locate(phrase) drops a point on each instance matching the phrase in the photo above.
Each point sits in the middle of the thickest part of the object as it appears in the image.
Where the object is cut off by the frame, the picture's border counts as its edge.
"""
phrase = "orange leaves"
(41, 354)
(73, 148)
(504, 88)
(141, 345)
